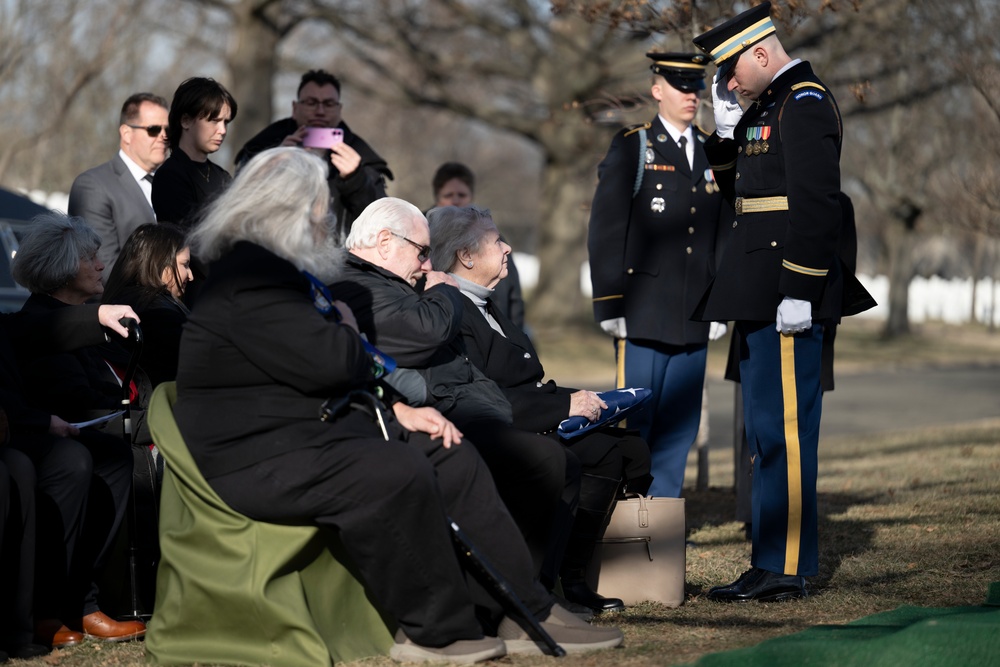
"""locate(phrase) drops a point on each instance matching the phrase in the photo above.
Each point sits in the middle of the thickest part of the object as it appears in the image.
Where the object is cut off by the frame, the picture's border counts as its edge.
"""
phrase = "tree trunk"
(900, 241)
(252, 60)
(562, 248)
(567, 192)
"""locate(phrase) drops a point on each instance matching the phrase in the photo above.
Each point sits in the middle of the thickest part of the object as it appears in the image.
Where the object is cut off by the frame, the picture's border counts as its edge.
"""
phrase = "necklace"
(207, 174)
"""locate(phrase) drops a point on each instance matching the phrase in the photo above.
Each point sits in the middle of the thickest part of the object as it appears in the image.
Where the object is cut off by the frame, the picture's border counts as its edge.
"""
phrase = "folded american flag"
(620, 403)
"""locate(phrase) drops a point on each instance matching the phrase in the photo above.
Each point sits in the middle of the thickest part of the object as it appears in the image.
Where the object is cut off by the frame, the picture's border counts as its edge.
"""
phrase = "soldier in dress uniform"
(781, 279)
(654, 234)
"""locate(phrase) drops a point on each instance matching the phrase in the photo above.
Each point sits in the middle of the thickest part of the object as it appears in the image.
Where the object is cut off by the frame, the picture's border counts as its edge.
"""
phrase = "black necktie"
(683, 142)
(148, 177)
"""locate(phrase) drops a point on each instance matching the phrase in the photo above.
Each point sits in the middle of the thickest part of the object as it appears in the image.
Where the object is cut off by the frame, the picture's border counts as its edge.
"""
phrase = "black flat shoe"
(578, 592)
(762, 586)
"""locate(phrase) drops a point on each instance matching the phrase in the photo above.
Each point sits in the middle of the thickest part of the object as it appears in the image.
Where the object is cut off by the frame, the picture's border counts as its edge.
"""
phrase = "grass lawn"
(909, 517)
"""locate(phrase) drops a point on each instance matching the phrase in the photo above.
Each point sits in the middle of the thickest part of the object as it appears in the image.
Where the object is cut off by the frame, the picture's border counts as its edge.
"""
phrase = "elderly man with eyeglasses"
(115, 197)
(357, 172)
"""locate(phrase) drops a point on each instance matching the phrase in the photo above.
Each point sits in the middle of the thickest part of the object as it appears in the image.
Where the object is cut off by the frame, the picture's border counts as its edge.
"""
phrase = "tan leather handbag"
(642, 554)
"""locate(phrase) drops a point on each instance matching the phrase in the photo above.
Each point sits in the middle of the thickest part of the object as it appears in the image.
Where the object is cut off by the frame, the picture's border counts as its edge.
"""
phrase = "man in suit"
(654, 231)
(357, 173)
(115, 197)
(781, 279)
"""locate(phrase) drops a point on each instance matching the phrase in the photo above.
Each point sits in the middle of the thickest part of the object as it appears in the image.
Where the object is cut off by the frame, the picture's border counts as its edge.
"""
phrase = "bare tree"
(38, 93)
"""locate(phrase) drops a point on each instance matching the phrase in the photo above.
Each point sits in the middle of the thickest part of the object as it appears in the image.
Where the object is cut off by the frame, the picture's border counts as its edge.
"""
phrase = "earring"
(469, 265)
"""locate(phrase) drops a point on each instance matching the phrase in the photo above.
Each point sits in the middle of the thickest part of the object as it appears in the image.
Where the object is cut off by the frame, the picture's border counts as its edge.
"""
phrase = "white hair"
(279, 200)
(390, 213)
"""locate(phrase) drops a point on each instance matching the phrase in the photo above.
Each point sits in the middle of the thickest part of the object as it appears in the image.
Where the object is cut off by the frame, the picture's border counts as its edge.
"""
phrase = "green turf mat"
(907, 636)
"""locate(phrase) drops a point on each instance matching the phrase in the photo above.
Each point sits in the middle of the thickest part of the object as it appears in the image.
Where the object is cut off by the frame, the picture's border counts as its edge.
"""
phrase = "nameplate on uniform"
(660, 167)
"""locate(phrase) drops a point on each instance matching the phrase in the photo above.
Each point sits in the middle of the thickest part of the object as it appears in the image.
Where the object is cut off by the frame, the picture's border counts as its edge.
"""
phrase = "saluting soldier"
(654, 233)
(780, 279)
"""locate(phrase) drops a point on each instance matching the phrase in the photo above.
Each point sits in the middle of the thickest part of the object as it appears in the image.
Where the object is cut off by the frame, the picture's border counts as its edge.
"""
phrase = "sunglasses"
(152, 130)
(423, 251)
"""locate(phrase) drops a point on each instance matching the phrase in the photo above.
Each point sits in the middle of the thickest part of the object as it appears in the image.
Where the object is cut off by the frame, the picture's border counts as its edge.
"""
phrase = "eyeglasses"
(152, 130)
(423, 251)
(312, 103)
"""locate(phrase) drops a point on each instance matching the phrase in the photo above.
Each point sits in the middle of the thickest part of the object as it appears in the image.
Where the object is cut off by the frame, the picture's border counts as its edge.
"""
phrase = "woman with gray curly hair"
(57, 261)
(58, 258)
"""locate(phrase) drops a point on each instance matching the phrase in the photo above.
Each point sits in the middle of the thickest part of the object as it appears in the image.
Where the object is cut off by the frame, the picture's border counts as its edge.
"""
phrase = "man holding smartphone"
(357, 174)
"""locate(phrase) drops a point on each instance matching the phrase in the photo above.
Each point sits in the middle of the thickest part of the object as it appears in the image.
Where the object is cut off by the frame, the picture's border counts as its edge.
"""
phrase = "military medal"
(661, 138)
(657, 205)
(765, 132)
(649, 156)
(710, 184)
(756, 148)
(764, 146)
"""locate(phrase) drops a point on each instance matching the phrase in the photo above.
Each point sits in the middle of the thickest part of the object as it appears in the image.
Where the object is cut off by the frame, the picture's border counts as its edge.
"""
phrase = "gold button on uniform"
(630, 271)
(689, 251)
(659, 186)
(693, 210)
(694, 189)
(774, 244)
(737, 176)
(690, 230)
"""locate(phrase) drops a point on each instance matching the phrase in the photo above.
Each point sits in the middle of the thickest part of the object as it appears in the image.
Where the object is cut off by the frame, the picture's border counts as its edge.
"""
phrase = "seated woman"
(467, 244)
(151, 275)
(84, 475)
(454, 184)
(264, 355)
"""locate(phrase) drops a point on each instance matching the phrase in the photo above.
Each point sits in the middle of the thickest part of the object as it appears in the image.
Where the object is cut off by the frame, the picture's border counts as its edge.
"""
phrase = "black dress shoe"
(580, 593)
(760, 585)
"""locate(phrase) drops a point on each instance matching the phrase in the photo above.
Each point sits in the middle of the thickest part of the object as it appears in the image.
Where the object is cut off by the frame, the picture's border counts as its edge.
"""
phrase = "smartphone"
(322, 137)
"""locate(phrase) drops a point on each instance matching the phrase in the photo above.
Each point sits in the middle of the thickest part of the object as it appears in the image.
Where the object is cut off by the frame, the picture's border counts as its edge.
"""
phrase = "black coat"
(79, 385)
(257, 362)
(653, 254)
(787, 144)
(513, 364)
(31, 335)
(349, 195)
(162, 319)
(421, 332)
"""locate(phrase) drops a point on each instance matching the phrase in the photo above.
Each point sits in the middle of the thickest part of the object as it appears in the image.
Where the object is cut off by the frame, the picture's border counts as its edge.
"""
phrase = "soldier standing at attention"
(781, 281)
(654, 232)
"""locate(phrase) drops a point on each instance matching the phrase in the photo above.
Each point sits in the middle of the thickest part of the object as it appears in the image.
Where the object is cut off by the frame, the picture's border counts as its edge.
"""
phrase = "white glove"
(794, 316)
(727, 109)
(717, 330)
(614, 327)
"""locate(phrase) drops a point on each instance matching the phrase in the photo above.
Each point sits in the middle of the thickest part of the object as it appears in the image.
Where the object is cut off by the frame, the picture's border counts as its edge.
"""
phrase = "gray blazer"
(109, 199)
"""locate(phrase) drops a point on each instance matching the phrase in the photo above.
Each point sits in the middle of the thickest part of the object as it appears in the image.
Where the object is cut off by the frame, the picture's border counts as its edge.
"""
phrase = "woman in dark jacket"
(467, 244)
(151, 275)
(57, 262)
(278, 403)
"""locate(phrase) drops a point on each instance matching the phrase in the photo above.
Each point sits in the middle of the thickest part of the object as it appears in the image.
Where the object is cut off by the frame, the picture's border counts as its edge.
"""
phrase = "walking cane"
(505, 592)
(135, 337)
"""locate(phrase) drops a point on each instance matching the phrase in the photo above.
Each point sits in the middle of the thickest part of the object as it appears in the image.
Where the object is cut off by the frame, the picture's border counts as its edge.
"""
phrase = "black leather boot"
(597, 499)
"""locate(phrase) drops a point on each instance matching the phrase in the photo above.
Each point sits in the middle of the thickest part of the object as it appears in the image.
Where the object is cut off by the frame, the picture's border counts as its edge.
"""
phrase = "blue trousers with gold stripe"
(669, 421)
(782, 405)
